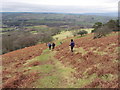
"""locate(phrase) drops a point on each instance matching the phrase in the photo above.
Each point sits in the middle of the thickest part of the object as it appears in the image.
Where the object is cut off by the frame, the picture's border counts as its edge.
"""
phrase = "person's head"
(71, 40)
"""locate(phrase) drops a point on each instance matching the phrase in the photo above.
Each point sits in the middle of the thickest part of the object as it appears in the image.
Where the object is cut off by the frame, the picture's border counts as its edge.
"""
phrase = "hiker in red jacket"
(72, 44)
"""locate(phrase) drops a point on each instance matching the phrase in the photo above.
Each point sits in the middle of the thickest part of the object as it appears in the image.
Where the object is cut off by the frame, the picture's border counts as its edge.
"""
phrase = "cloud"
(67, 6)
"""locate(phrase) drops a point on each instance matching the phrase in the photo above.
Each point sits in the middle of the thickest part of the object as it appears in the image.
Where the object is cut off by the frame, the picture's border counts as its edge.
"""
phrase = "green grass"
(99, 52)
(48, 82)
(63, 35)
(59, 73)
(45, 51)
(83, 81)
(79, 36)
(34, 32)
(5, 29)
(62, 70)
(112, 34)
(80, 50)
(88, 29)
(42, 68)
(58, 42)
(43, 27)
(61, 77)
(108, 77)
(42, 58)
(117, 49)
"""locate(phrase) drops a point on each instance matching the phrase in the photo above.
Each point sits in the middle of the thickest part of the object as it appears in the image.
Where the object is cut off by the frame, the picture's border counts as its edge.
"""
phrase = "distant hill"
(114, 14)
(53, 19)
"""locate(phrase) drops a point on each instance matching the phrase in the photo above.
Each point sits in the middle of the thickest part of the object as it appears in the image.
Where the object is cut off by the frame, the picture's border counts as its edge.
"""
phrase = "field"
(93, 64)
(66, 34)
(51, 19)
(63, 35)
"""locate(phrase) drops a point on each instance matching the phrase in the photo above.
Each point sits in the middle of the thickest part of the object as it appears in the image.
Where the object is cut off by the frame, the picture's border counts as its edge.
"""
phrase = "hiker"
(49, 45)
(72, 44)
(53, 45)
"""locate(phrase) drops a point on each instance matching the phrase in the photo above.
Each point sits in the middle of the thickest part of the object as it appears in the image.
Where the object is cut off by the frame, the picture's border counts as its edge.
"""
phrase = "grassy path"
(52, 73)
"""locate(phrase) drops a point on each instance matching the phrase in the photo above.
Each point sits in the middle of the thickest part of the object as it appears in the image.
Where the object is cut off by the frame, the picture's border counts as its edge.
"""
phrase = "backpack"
(49, 44)
(72, 44)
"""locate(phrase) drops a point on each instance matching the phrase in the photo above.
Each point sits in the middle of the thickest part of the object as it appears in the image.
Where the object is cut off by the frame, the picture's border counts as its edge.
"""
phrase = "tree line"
(15, 40)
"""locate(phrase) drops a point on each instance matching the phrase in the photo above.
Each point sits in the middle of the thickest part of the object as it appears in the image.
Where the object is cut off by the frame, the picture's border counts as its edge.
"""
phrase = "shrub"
(93, 31)
(102, 30)
(97, 25)
(82, 32)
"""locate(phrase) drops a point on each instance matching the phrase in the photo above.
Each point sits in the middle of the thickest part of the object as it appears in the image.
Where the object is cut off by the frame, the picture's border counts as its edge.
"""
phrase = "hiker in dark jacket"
(53, 45)
(49, 45)
(72, 44)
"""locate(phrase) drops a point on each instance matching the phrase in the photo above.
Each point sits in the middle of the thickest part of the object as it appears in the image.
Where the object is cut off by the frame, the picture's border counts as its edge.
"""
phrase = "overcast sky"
(65, 6)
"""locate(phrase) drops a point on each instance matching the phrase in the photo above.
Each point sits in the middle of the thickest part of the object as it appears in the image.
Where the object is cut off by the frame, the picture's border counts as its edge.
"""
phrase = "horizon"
(111, 14)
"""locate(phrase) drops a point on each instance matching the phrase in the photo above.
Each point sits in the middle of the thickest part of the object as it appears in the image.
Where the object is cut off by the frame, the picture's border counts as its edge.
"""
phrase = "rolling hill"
(93, 64)
(52, 19)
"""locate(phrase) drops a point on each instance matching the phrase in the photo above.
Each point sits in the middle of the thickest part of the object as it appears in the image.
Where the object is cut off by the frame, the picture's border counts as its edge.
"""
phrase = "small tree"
(111, 24)
(103, 31)
(97, 25)
(82, 32)
(114, 25)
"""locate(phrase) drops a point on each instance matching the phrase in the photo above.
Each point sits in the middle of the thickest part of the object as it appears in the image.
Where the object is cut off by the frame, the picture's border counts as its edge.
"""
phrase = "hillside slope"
(93, 64)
